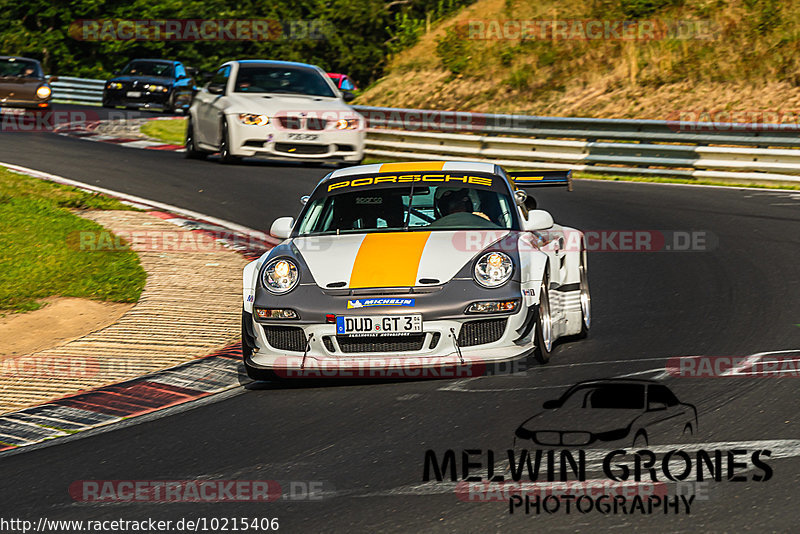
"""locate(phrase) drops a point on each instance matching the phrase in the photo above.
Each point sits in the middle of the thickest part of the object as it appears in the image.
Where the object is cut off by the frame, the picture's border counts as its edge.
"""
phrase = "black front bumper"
(118, 97)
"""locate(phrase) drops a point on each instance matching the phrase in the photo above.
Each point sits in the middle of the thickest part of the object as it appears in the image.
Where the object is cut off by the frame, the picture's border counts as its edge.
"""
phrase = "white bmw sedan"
(274, 109)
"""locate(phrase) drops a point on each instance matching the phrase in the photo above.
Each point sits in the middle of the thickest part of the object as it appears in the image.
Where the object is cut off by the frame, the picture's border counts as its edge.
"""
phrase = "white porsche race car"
(415, 265)
(274, 109)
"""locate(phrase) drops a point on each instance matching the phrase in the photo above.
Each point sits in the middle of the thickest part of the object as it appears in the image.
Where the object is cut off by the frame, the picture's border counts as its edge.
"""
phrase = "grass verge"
(39, 254)
(733, 183)
(170, 131)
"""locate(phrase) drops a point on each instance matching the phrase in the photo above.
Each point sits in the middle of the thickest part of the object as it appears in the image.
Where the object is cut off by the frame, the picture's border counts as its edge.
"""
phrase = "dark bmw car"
(599, 412)
(152, 84)
(23, 84)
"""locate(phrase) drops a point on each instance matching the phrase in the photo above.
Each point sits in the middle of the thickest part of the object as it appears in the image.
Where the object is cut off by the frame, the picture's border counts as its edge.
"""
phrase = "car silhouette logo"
(601, 412)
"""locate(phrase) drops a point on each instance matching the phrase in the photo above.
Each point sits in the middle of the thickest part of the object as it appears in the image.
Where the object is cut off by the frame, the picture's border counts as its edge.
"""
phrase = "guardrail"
(728, 151)
(81, 90)
(737, 151)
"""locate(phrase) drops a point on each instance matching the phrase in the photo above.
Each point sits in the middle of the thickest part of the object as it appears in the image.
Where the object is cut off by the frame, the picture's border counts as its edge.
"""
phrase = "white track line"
(751, 360)
(458, 386)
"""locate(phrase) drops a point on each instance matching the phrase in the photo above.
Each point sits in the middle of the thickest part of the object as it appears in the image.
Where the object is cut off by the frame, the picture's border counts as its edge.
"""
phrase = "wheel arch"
(249, 283)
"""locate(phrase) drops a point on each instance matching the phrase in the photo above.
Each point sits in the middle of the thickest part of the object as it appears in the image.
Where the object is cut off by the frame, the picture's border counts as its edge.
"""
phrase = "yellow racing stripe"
(412, 167)
(388, 260)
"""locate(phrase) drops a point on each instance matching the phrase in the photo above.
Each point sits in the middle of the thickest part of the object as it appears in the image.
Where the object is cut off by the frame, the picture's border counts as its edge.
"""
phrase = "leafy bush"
(520, 78)
(506, 56)
(452, 49)
(358, 35)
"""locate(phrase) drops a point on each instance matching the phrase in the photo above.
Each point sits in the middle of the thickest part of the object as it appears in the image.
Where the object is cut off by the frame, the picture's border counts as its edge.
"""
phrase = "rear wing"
(524, 179)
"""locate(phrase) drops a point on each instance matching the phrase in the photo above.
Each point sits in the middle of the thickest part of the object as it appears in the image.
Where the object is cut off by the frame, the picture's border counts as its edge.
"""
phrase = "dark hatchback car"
(152, 84)
(599, 412)
(23, 84)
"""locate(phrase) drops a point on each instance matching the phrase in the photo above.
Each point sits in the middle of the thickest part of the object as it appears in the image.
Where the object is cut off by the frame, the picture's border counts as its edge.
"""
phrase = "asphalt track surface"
(365, 441)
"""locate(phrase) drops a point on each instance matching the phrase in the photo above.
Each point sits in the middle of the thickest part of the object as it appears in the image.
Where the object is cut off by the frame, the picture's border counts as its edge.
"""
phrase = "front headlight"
(493, 269)
(280, 275)
(43, 92)
(115, 85)
(156, 88)
(493, 306)
(252, 119)
(347, 124)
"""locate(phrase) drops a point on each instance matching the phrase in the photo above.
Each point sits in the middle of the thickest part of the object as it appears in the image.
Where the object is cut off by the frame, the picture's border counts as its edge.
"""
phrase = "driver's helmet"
(446, 198)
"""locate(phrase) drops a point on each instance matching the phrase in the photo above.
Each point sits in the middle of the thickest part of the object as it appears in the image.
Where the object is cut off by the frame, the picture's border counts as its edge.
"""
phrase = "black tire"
(586, 299)
(192, 152)
(177, 105)
(225, 155)
(544, 325)
(170, 107)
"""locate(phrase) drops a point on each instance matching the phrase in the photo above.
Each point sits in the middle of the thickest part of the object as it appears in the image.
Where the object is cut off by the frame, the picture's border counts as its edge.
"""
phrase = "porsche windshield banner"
(428, 178)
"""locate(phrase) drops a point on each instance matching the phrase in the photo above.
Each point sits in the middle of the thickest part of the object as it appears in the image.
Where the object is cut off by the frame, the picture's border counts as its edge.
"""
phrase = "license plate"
(379, 324)
(13, 111)
(134, 94)
(303, 137)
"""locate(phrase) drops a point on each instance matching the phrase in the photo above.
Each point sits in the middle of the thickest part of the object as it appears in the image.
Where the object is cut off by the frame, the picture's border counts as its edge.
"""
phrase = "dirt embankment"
(738, 58)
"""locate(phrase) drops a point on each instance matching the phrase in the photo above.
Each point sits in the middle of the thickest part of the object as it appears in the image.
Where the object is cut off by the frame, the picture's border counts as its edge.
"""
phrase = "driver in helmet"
(456, 207)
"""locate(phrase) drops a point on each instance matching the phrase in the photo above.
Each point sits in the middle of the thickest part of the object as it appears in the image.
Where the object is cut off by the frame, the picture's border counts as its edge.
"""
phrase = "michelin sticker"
(367, 303)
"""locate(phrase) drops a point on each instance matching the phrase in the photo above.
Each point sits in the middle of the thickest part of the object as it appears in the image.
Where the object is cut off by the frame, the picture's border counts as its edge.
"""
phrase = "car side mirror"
(51, 79)
(282, 227)
(551, 404)
(537, 220)
(347, 96)
(116, 72)
(304, 199)
(656, 406)
(216, 88)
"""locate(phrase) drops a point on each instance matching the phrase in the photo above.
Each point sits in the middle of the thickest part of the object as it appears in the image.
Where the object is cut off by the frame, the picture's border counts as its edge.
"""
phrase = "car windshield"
(148, 68)
(465, 202)
(22, 68)
(608, 396)
(272, 79)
